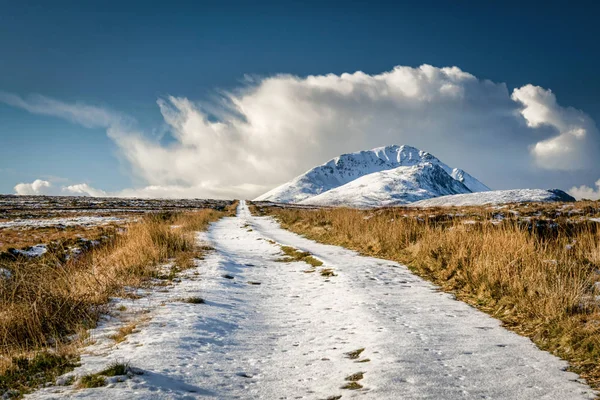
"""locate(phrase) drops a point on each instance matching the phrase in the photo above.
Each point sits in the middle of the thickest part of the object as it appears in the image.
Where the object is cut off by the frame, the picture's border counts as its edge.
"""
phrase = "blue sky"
(123, 56)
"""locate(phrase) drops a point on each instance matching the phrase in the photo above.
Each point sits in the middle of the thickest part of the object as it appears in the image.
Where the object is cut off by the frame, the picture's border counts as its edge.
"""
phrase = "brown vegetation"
(44, 300)
(532, 266)
(11, 238)
(292, 254)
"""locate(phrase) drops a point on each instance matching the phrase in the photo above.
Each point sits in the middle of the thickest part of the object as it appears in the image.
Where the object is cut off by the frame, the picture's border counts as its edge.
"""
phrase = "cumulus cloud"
(44, 187)
(586, 192)
(37, 187)
(83, 189)
(569, 147)
(274, 128)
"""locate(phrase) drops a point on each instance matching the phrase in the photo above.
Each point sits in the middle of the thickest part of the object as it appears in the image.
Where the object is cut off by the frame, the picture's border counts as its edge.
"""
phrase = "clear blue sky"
(125, 54)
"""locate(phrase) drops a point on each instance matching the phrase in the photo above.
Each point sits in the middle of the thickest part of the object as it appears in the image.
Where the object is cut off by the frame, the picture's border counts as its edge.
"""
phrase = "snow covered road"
(270, 330)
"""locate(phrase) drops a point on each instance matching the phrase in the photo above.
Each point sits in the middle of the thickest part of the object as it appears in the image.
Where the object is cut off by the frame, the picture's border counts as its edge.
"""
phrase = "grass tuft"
(292, 255)
(98, 379)
(355, 377)
(91, 381)
(116, 369)
(327, 272)
(193, 300)
(353, 355)
(25, 373)
(352, 386)
(123, 332)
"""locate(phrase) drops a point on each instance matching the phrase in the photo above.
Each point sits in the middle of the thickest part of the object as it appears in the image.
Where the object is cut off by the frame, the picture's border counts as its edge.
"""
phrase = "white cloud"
(274, 128)
(568, 149)
(44, 187)
(83, 114)
(586, 192)
(83, 189)
(41, 187)
(37, 187)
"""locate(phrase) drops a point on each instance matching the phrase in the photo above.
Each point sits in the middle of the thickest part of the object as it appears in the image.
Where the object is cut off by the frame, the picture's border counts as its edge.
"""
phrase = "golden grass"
(353, 355)
(535, 275)
(292, 254)
(123, 332)
(19, 238)
(46, 299)
(352, 386)
(355, 377)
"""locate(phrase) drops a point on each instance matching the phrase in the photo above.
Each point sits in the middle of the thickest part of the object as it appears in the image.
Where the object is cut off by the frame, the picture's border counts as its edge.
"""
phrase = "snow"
(391, 187)
(33, 251)
(348, 167)
(287, 337)
(71, 221)
(5, 274)
(496, 197)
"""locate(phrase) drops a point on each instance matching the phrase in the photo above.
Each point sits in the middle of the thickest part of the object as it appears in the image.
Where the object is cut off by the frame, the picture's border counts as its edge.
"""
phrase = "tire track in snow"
(288, 337)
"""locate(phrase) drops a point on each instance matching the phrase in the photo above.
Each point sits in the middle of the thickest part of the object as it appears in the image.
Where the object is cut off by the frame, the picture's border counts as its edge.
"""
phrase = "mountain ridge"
(401, 185)
(348, 167)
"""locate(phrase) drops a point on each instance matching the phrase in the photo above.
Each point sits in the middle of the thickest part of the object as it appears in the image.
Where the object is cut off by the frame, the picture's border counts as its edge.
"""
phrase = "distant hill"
(496, 197)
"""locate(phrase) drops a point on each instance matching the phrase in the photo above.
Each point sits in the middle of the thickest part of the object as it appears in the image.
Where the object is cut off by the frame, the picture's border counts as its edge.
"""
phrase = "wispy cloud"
(274, 128)
(79, 113)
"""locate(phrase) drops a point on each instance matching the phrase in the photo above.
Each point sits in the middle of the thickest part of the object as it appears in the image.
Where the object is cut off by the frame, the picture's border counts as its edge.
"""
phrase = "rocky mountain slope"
(396, 186)
(349, 167)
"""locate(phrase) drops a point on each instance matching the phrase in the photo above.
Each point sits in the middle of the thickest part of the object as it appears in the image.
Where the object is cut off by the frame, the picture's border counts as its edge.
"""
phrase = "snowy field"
(84, 221)
(271, 330)
(494, 197)
(30, 223)
(44, 207)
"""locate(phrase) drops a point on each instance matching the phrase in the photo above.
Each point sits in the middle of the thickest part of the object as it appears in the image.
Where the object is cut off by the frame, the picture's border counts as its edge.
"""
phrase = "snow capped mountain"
(496, 197)
(349, 167)
(473, 184)
(400, 185)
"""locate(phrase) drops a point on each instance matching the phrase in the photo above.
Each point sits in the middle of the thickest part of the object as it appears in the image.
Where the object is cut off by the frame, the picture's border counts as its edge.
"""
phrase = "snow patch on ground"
(270, 330)
(72, 221)
(496, 197)
(33, 251)
(5, 273)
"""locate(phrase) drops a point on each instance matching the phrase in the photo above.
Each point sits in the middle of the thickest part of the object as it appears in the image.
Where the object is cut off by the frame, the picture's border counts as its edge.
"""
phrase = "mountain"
(496, 197)
(396, 186)
(349, 167)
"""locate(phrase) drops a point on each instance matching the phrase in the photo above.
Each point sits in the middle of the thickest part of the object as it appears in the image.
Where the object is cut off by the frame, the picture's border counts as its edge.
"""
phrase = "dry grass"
(352, 386)
(123, 332)
(47, 299)
(19, 238)
(292, 254)
(355, 377)
(327, 272)
(193, 300)
(535, 274)
(353, 355)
